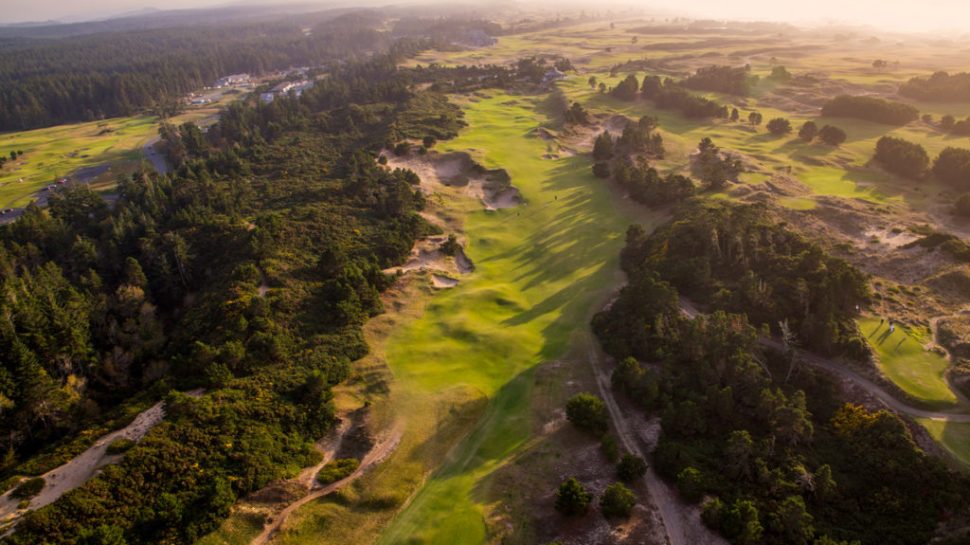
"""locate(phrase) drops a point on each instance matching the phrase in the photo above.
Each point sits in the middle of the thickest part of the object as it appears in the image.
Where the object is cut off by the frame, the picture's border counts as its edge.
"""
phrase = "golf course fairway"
(463, 363)
(539, 268)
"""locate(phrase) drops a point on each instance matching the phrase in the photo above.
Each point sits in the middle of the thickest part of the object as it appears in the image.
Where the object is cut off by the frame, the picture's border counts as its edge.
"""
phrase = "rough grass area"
(955, 437)
(904, 360)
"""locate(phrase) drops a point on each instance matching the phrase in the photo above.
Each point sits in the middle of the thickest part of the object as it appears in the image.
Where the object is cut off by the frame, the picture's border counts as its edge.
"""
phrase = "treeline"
(868, 108)
(940, 87)
(722, 79)
(248, 272)
(119, 74)
(767, 446)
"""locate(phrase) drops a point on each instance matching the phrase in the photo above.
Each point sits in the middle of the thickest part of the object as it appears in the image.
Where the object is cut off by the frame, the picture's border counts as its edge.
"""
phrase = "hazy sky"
(895, 14)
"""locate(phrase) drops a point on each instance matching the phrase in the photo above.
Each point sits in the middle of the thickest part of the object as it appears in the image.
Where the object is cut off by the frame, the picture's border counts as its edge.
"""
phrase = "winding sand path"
(384, 448)
(81, 468)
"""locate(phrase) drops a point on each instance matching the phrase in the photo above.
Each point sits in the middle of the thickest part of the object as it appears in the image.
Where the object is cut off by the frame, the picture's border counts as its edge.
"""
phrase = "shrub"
(809, 131)
(337, 470)
(609, 447)
(690, 484)
(429, 141)
(952, 167)
(901, 157)
(587, 412)
(572, 498)
(832, 136)
(617, 501)
(962, 206)
(29, 488)
(601, 169)
(779, 126)
(631, 468)
(120, 445)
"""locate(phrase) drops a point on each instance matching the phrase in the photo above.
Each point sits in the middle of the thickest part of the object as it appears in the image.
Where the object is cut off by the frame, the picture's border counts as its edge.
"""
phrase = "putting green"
(904, 360)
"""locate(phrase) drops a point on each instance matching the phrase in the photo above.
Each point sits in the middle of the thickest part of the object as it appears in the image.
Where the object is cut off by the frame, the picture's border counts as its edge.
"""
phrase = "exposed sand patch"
(82, 467)
(492, 187)
(443, 282)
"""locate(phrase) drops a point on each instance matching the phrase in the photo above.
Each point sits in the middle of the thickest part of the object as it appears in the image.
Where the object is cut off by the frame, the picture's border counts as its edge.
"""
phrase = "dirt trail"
(157, 160)
(842, 370)
(679, 527)
(384, 448)
(82, 467)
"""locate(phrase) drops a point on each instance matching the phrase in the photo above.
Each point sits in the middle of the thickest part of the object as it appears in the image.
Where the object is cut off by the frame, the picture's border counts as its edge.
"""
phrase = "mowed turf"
(539, 268)
(904, 360)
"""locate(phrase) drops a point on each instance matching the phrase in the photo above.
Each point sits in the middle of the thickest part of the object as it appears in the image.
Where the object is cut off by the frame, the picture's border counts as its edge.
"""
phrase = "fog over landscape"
(484, 272)
(930, 15)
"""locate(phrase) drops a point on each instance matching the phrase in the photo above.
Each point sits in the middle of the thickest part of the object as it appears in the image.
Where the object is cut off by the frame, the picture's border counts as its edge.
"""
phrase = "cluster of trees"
(902, 157)
(118, 74)
(869, 108)
(738, 259)
(668, 94)
(949, 124)
(910, 160)
(714, 169)
(646, 186)
(247, 272)
(626, 160)
(940, 87)
(828, 134)
(780, 458)
(723, 79)
(12, 157)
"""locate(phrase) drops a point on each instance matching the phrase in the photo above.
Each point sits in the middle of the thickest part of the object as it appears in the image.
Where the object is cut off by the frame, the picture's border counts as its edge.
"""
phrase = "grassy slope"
(917, 371)
(955, 437)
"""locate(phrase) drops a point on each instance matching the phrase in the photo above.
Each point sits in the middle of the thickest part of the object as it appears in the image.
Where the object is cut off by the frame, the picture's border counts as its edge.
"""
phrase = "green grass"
(56, 152)
(955, 437)
(239, 529)
(904, 360)
(540, 268)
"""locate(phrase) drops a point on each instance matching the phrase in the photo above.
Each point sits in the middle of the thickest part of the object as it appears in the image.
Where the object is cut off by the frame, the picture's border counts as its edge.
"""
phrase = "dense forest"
(873, 109)
(248, 273)
(940, 87)
(765, 443)
(118, 74)
(738, 259)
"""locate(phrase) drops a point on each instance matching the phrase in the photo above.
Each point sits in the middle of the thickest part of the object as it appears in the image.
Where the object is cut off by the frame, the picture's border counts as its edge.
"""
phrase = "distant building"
(295, 87)
(553, 75)
(235, 79)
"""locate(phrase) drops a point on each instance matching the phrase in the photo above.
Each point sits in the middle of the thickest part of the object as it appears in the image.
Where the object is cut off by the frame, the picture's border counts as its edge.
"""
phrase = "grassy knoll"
(464, 362)
(955, 437)
(901, 356)
(55, 152)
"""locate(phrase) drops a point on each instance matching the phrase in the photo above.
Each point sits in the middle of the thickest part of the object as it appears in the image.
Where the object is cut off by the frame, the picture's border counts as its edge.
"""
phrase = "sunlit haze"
(947, 15)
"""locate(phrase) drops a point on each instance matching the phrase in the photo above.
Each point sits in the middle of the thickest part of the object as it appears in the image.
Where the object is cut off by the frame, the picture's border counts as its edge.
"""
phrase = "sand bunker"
(443, 282)
(492, 187)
